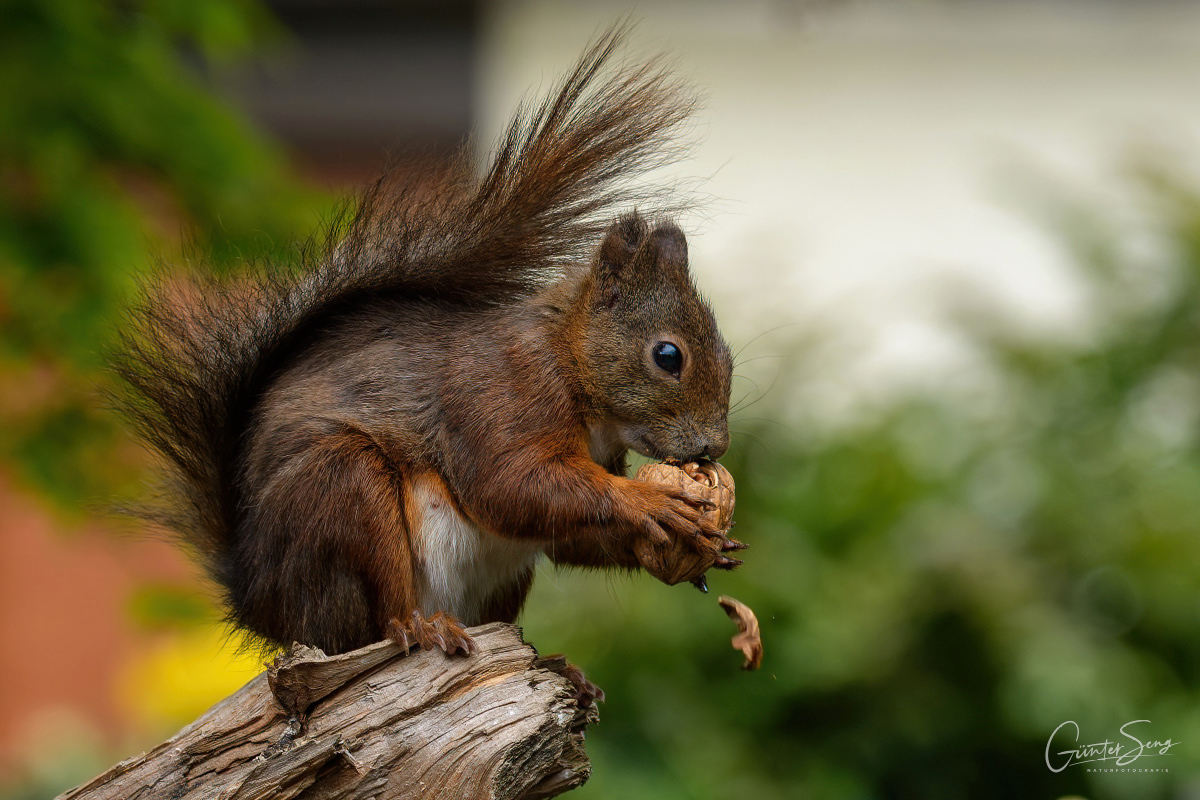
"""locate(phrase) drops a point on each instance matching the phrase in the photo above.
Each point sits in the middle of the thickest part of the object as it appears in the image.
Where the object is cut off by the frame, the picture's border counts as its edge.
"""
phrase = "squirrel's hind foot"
(441, 631)
(587, 694)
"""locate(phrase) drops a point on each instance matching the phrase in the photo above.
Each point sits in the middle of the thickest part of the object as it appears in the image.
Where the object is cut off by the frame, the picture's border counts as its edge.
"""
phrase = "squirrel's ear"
(667, 251)
(615, 263)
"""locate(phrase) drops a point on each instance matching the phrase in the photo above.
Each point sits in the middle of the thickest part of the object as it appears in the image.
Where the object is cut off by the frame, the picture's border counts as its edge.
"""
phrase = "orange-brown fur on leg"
(460, 568)
(334, 553)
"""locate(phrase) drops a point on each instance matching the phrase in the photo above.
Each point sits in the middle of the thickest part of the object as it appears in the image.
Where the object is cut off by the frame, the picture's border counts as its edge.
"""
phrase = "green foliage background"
(110, 146)
(939, 586)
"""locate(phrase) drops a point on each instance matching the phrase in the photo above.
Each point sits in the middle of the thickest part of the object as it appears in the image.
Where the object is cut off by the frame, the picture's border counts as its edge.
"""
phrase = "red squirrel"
(383, 441)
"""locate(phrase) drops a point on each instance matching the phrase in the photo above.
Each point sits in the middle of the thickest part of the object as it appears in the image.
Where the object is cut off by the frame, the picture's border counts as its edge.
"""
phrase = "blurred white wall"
(862, 155)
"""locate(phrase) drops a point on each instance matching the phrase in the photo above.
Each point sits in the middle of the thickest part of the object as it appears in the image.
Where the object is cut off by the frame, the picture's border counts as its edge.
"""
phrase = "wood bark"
(376, 723)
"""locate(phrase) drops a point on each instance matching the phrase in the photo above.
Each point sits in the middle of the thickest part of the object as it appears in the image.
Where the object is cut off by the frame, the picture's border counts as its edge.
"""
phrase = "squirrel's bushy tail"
(197, 354)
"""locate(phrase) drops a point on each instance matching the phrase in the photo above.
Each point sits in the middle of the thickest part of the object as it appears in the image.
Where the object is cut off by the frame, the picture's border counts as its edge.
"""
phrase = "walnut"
(680, 561)
(708, 478)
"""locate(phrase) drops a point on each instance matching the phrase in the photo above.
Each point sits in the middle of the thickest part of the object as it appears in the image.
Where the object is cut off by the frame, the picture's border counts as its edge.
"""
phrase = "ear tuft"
(621, 245)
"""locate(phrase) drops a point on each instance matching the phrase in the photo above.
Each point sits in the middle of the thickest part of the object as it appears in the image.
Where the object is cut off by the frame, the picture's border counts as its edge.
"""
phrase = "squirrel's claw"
(440, 631)
(466, 645)
(399, 635)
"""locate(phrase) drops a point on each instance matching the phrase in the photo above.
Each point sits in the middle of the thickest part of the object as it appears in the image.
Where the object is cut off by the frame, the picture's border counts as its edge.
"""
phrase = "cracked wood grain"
(376, 723)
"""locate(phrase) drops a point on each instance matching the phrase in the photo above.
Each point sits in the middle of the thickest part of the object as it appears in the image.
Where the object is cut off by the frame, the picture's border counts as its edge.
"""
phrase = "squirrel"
(383, 441)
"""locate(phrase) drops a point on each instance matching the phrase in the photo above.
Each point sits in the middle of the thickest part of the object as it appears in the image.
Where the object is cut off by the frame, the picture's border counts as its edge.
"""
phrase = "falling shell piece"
(747, 639)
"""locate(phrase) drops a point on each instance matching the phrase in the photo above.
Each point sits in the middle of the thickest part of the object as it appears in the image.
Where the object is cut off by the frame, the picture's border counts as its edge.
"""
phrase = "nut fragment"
(747, 639)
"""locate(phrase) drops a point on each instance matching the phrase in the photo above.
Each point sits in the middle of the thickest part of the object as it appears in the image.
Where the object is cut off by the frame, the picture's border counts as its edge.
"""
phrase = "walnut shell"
(708, 478)
(680, 561)
(748, 639)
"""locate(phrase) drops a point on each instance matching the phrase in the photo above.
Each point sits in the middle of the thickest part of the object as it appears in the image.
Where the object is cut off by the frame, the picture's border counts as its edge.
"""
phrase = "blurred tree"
(110, 144)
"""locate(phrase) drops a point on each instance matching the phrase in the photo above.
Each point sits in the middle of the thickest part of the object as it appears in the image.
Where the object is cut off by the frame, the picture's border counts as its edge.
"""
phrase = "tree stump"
(375, 723)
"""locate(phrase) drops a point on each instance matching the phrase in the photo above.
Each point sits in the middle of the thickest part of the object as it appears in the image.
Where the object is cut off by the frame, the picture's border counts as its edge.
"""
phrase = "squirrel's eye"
(667, 357)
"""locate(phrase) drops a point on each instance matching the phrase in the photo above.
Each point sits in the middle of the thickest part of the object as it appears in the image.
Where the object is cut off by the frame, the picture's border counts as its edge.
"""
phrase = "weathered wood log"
(374, 723)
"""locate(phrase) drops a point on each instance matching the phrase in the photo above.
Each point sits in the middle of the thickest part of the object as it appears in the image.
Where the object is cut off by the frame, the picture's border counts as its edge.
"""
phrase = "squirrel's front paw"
(683, 558)
(688, 533)
(686, 557)
(441, 631)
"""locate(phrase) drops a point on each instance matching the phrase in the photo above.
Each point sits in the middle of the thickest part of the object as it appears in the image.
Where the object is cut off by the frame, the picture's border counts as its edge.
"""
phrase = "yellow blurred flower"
(181, 675)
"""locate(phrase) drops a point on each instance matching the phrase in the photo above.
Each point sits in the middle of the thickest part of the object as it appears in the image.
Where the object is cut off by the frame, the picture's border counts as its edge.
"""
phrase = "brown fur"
(396, 430)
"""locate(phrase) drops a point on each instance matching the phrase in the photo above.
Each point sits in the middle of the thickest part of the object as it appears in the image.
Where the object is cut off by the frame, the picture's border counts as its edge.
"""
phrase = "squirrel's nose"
(715, 448)
(709, 442)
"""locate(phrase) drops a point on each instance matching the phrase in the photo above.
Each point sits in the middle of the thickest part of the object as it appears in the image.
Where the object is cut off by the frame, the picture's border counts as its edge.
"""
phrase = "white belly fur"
(459, 566)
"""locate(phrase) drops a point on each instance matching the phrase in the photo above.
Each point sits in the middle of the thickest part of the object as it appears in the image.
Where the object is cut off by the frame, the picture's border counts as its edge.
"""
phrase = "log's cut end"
(376, 723)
